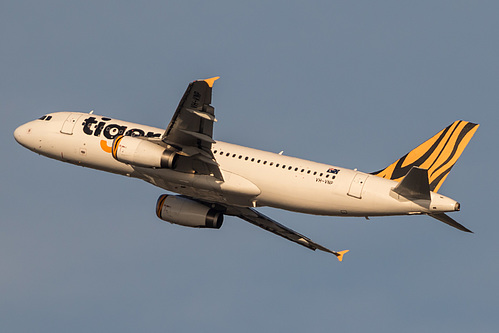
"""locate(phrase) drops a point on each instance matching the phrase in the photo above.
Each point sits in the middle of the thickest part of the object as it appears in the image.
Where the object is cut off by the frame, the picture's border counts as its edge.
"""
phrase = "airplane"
(214, 178)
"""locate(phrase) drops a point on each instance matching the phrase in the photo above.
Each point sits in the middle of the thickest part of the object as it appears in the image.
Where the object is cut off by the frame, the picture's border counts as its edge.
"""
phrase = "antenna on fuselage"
(282, 151)
(91, 112)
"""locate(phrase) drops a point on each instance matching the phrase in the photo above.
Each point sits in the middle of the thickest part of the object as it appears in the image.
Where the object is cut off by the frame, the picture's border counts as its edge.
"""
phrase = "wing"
(264, 222)
(190, 131)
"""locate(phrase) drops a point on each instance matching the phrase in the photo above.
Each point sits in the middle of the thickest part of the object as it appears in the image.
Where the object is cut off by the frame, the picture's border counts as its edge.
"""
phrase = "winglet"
(340, 254)
(211, 81)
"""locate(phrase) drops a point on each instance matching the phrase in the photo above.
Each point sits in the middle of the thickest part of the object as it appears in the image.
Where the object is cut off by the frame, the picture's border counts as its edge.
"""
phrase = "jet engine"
(187, 212)
(141, 152)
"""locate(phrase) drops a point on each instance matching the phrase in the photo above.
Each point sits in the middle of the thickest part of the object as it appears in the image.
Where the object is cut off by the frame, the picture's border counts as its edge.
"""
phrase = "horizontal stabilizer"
(450, 221)
(414, 185)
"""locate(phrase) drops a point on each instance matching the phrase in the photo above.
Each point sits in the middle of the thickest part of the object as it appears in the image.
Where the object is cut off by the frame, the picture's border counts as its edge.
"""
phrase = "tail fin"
(438, 155)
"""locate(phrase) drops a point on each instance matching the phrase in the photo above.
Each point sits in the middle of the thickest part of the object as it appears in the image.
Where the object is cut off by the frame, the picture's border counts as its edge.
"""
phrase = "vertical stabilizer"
(437, 155)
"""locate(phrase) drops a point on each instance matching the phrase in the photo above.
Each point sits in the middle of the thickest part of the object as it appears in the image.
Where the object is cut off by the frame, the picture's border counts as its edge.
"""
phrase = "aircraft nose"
(22, 133)
(18, 134)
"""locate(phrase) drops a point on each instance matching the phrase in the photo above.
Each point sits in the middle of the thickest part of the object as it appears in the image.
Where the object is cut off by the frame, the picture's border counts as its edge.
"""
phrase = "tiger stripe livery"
(438, 155)
(115, 146)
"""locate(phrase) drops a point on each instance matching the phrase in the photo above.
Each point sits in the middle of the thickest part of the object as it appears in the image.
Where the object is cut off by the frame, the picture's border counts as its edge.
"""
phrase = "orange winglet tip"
(340, 254)
(211, 81)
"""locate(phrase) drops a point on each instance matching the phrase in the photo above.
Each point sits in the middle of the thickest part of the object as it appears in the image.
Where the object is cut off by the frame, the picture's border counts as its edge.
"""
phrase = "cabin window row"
(277, 165)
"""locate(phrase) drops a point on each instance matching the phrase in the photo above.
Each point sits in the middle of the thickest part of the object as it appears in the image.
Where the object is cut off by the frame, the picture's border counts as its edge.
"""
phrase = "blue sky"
(350, 83)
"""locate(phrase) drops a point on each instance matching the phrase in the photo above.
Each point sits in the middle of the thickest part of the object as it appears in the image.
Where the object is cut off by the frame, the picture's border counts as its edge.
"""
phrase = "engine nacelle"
(141, 152)
(186, 212)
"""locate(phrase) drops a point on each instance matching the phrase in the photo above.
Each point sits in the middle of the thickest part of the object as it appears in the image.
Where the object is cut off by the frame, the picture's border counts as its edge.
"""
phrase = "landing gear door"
(357, 185)
(69, 123)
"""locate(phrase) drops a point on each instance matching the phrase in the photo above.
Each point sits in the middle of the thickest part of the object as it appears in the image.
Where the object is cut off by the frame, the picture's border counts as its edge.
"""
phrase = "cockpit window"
(42, 118)
(46, 118)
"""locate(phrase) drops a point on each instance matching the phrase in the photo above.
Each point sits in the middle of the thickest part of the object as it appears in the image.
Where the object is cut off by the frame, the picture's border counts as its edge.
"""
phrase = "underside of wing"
(254, 217)
(190, 131)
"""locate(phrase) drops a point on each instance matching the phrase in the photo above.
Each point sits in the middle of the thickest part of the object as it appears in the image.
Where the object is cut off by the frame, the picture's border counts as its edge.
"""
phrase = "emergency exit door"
(357, 185)
(69, 123)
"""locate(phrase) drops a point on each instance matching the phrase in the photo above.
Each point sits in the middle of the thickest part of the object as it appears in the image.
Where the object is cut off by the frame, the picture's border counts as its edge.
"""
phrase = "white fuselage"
(251, 177)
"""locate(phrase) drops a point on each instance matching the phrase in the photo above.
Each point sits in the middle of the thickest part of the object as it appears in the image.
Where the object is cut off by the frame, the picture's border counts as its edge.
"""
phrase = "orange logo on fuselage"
(104, 146)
